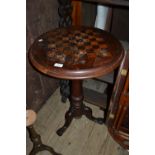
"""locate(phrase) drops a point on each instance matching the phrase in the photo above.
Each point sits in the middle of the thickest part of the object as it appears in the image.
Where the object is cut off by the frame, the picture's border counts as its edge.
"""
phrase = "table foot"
(37, 143)
(68, 120)
(43, 147)
(88, 113)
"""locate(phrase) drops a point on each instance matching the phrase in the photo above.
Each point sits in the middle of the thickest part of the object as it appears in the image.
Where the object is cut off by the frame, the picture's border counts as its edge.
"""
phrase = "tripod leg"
(37, 143)
(68, 120)
(88, 113)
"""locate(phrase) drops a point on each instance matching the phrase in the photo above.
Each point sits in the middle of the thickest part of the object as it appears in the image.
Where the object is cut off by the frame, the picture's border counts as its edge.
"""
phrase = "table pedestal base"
(77, 108)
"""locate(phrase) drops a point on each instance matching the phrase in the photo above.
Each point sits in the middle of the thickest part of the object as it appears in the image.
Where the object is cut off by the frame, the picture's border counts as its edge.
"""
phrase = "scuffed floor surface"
(83, 137)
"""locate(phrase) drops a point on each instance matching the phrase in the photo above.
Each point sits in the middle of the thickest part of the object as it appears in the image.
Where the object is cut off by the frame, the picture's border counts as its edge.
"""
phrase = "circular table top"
(76, 53)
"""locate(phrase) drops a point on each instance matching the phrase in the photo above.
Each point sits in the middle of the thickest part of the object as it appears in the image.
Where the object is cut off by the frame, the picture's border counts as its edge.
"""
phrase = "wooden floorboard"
(83, 137)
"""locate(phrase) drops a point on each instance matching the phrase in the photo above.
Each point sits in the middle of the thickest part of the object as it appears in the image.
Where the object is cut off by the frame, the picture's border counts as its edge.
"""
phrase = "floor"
(83, 137)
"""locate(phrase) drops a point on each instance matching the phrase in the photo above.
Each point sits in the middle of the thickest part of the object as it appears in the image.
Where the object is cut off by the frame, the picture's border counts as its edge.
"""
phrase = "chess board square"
(65, 38)
(81, 47)
(99, 39)
(72, 44)
(87, 43)
(85, 37)
(58, 38)
(90, 50)
(89, 32)
(71, 38)
(92, 39)
(101, 42)
(95, 47)
(103, 46)
(94, 43)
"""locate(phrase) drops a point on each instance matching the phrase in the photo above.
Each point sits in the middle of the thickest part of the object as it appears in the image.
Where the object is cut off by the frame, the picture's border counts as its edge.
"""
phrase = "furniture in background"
(102, 99)
(118, 112)
(34, 136)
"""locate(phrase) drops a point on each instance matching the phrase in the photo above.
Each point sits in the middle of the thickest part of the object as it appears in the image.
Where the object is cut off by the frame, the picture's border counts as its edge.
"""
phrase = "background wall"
(120, 19)
(41, 16)
(120, 23)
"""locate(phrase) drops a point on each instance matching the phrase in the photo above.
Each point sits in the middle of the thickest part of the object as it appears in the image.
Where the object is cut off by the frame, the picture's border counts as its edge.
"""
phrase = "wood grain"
(83, 52)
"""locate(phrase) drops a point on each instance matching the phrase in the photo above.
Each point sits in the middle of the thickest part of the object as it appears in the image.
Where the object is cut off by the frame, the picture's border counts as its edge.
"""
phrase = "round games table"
(76, 53)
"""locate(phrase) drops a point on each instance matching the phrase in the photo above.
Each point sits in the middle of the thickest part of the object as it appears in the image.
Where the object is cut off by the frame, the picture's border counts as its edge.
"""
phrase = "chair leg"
(64, 90)
(109, 92)
(37, 143)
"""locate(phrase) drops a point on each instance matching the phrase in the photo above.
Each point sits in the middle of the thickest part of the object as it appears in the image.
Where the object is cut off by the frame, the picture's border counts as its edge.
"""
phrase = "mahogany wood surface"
(118, 117)
(83, 52)
(76, 53)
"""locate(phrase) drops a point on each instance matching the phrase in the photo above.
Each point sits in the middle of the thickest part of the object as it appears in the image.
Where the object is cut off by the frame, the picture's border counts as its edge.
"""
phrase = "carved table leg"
(37, 143)
(64, 90)
(65, 13)
(77, 108)
(88, 113)
(68, 120)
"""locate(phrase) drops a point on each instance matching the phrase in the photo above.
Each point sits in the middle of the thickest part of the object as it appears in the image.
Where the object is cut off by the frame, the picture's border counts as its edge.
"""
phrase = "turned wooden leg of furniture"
(64, 90)
(77, 108)
(88, 113)
(35, 137)
(68, 120)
